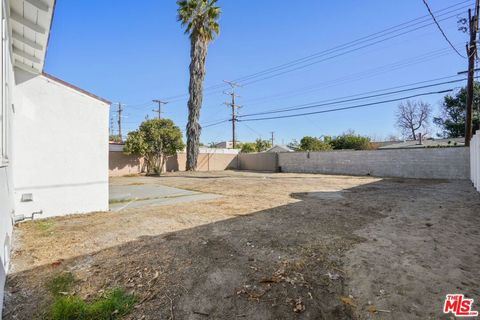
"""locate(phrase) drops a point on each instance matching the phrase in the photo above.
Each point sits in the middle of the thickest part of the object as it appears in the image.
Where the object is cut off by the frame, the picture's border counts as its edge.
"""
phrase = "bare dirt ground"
(275, 246)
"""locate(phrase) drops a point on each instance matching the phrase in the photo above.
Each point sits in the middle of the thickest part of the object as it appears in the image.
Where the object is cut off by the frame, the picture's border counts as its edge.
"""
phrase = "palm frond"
(199, 17)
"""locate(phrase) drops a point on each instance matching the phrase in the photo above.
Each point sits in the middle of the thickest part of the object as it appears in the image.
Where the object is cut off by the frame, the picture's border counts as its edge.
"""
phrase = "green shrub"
(314, 144)
(351, 141)
(44, 225)
(61, 284)
(248, 147)
(69, 308)
(262, 145)
(258, 146)
(113, 305)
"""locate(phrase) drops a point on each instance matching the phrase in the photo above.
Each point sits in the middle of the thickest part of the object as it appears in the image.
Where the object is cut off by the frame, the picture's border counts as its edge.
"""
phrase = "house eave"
(29, 24)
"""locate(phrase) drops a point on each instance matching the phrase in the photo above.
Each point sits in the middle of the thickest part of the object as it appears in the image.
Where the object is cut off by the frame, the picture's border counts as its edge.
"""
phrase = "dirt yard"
(274, 246)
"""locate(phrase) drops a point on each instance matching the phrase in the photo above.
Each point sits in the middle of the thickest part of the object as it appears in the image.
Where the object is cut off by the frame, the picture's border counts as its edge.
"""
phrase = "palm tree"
(200, 18)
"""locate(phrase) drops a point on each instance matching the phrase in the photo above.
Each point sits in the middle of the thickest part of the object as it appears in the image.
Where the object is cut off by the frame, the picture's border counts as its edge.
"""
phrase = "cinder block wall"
(425, 163)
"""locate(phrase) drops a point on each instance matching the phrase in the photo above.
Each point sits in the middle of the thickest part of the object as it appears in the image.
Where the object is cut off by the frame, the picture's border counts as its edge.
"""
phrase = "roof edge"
(74, 87)
(49, 33)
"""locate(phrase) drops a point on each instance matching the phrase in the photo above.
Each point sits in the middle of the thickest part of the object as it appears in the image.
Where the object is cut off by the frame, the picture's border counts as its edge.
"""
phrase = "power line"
(216, 123)
(140, 106)
(316, 104)
(251, 129)
(111, 126)
(119, 111)
(234, 106)
(472, 54)
(303, 66)
(211, 121)
(373, 72)
(338, 55)
(441, 30)
(159, 109)
(350, 107)
(364, 39)
(368, 73)
(333, 101)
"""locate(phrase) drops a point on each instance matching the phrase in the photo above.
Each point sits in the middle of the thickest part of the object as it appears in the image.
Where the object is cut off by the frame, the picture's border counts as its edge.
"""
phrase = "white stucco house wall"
(60, 148)
(53, 135)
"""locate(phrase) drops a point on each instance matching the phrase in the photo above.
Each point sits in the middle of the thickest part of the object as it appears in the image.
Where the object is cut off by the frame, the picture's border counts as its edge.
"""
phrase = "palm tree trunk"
(198, 55)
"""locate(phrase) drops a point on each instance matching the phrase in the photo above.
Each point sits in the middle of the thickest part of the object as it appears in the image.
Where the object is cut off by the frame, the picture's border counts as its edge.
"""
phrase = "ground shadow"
(280, 263)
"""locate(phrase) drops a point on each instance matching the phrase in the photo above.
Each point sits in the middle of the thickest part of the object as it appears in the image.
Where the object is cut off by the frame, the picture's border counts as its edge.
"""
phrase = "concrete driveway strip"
(135, 196)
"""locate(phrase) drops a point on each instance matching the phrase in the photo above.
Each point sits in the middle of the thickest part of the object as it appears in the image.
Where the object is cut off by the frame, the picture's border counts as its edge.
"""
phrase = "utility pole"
(119, 112)
(273, 135)
(111, 126)
(472, 54)
(234, 106)
(159, 110)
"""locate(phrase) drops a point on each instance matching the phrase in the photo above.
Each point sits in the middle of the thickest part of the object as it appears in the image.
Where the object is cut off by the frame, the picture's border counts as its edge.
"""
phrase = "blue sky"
(136, 51)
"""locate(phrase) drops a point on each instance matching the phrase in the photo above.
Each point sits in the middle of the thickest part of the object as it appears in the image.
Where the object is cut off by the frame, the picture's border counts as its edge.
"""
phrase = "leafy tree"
(452, 117)
(314, 144)
(294, 145)
(248, 147)
(350, 140)
(412, 116)
(115, 138)
(155, 140)
(200, 19)
(258, 146)
(262, 145)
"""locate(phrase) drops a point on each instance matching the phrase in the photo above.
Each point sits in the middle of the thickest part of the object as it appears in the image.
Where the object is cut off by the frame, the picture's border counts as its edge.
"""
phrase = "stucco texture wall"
(60, 148)
(206, 162)
(258, 161)
(7, 90)
(428, 163)
(6, 207)
(123, 165)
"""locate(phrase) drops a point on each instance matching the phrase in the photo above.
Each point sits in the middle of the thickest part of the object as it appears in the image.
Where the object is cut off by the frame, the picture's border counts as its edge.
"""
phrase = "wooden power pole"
(111, 127)
(273, 137)
(234, 107)
(472, 54)
(159, 110)
(119, 112)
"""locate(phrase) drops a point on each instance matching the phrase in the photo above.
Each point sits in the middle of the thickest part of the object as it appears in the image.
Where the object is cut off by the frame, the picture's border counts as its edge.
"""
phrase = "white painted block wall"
(60, 148)
(6, 164)
(6, 207)
(475, 160)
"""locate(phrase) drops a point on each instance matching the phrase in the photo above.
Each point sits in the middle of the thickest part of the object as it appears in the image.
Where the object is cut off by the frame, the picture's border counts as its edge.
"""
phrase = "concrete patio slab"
(135, 196)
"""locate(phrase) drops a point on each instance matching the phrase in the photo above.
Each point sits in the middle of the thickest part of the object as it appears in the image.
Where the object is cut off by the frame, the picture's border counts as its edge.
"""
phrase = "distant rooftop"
(427, 143)
(280, 148)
